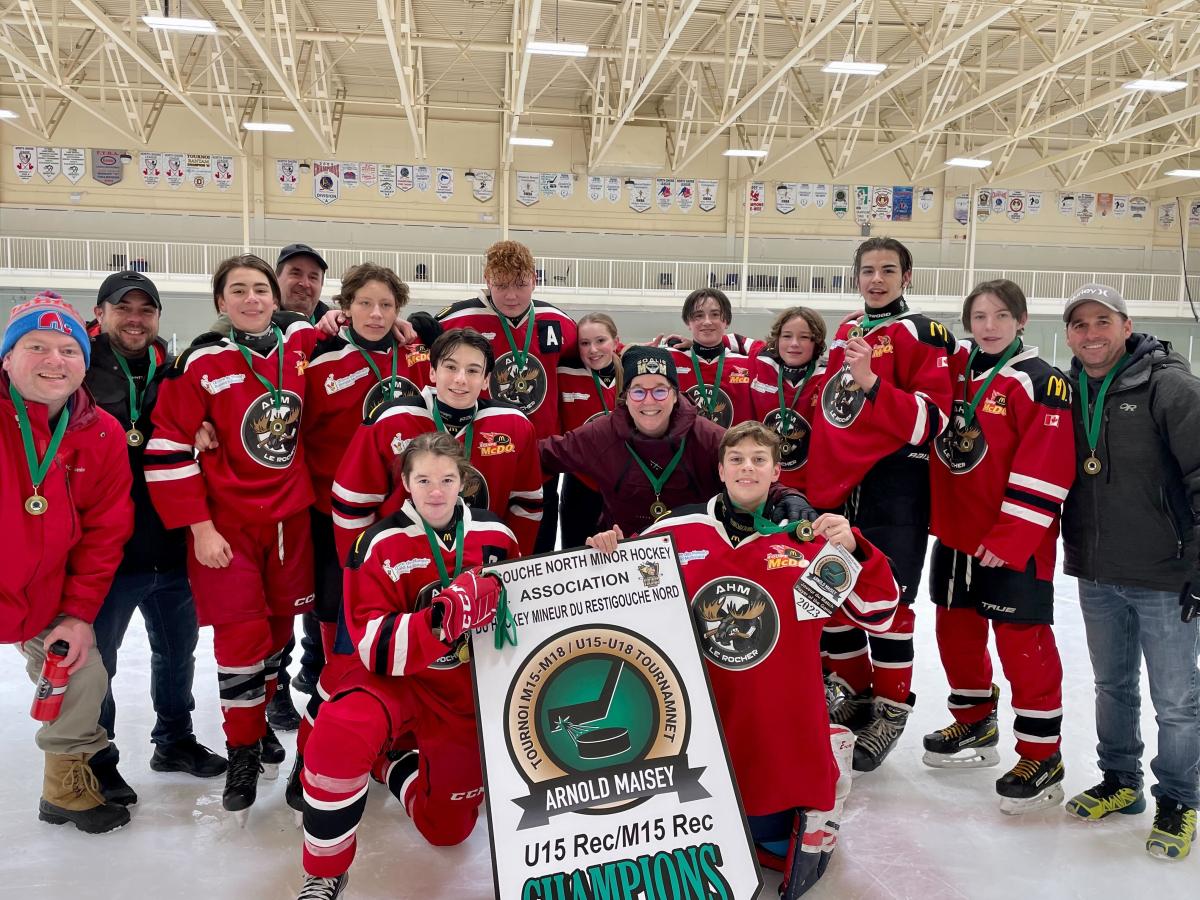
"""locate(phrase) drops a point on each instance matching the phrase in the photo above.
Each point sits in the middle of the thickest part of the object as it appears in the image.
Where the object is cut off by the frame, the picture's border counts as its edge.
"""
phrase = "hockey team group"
(361, 470)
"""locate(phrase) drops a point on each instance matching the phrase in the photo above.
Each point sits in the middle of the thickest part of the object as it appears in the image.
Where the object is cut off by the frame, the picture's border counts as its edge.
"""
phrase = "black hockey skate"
(273, 755)
(241, 780)
(965, 745)
(846, 707)
(1031, 785)
(878, 739)
(281, 711)
(323, 888)
(293, 794)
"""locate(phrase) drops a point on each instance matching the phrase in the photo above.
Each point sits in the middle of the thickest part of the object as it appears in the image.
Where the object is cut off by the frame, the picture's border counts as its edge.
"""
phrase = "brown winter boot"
(70, 793)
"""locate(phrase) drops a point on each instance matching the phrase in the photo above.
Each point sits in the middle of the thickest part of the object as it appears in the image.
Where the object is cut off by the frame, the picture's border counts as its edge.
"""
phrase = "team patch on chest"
(270, 430)
(737, 621)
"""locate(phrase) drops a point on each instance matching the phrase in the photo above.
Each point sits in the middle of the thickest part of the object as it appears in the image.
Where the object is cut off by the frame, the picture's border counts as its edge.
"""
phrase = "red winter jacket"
(61, 563)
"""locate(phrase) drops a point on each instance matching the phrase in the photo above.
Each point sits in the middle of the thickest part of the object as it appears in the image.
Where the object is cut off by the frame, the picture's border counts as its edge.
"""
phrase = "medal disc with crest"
(522, 386)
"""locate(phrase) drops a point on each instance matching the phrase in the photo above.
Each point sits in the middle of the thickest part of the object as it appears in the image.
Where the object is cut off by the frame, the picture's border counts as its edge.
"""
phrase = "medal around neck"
(134, 437)
(1092, 466)
(36, 505)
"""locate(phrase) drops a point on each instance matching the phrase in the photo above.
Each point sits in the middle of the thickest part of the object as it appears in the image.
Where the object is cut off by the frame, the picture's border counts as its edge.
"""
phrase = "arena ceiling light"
(969, 162)
(738, 151)
(851, 67)
(557, 48)
(1155, 85)
(530, 141)
(1184, 173)
(268, 126)
(177, 23)
(7, 114)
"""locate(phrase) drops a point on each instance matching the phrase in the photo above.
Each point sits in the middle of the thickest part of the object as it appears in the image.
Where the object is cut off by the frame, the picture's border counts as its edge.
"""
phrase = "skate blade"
(1014, 806)
(240, 816)
(270, 771)
(298, 818)
(970, 758)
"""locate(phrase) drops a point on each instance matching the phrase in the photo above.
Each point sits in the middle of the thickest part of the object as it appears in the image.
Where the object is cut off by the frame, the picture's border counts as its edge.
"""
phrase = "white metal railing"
(611, 276)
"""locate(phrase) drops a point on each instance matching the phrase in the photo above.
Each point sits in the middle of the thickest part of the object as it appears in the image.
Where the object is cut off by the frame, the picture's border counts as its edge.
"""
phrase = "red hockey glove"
(469, 602)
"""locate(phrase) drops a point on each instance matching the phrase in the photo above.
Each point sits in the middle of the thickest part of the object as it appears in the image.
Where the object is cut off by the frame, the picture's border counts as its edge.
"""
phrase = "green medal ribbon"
(658, 482)
(787, 412)
(520, 356)
(506, 625)
(388, 386)
(1091, 420)
(135, 400)
(37, 468)
(468, 432)
(600, 391)
(276, 392)
(969, 408)
(436, 551)
(708, 395)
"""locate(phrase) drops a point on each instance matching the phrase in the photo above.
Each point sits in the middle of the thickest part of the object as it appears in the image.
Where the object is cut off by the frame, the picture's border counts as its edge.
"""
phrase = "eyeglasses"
(639, 394)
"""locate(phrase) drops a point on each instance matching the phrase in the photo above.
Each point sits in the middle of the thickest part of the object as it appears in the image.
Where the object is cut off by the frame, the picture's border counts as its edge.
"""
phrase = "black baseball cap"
(300, 250)
(118, 284)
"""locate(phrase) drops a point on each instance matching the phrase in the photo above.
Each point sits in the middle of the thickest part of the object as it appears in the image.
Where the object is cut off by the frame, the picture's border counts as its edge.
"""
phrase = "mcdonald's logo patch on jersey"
(494, 443)
(1057, 387)
(419, 354)
(997, 404)
(739, 375)
(884, 346)
(783, 557)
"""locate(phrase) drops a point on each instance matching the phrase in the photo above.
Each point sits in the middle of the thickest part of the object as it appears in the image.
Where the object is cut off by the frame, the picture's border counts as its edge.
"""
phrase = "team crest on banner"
(983, 205)
(404, 177)
(1138, 207)
(708, 194)
(925, 199)
(422, 177)
(368, 174)
(1120, 206)
(350, 175)
(820, 195)
(174, 170)
(804, 192)
(74, 163)
(1104, 204)
(902, 202)
(754, 196)
(327, 180)
(387, 180)
(566, 185)
(664, 190)
(1085, 206)
(151, 168)
(595, 188)
(785, 197)
(639, 194)
(106, 166)
(862, 203)
(685, 192)
(445, 183)
(549, 184)
(49, 163)
(1066, 204)
(483, 184)
(1016, 206)
(612, 189)
(222, 172)
(881, 204)
(841, 200)
(23, 163)
(1033, 203)
(999, 202)
(199, 170)
(962, 209)
(286, 175)
(528, 192)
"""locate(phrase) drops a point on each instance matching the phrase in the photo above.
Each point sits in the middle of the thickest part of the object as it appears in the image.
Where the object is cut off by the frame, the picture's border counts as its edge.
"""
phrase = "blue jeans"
(1123, 624)
(165, 599)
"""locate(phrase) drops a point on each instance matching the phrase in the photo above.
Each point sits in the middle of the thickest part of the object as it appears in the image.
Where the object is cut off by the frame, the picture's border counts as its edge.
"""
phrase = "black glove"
(792, 506)
(428, 328)
(1189, 601)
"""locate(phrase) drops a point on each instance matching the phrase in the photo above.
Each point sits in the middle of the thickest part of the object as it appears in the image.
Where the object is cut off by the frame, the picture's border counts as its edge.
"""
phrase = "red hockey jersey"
(911, 404)
(578, 401)
(506, 477)
(732, 403)
(763, 661)
(342, 390)
(795, 429)
(258, 472)
(1001, 482)
(390, 580)
(533, 389)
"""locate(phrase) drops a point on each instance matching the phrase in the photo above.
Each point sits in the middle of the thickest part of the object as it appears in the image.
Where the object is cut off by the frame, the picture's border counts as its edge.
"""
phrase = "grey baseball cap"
(1103, 294)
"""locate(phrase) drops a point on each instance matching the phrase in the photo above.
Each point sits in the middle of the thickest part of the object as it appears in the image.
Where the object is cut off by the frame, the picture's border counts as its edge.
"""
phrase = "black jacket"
(1134, 523)
(152, 548)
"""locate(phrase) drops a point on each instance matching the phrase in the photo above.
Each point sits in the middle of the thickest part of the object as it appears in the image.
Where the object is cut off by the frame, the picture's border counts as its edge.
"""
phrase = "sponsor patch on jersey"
(399, 443)
(721, 410)
(301, 363)
(739, 375)
(688, 555)
(522, 386)
(737, 621)
(216, 385)
(269, 432)
(884, 346)
(419, 354)
(996, 404)
(495, 443)
(396, 571)
(784, 557)
(842, 399)
(333, 385)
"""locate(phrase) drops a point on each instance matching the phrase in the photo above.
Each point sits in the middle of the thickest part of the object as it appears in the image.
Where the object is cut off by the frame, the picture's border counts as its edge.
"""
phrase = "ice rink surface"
(909, 831)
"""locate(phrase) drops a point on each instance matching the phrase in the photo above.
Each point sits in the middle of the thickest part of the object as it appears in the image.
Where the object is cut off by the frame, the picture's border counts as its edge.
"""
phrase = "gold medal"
(804, 531)
(134, 437)
(522, 385)
(278, 427)
(966, 444)
(658, 509)
(855, 333)
(463, 652)
(1091, 465)
(36, 505)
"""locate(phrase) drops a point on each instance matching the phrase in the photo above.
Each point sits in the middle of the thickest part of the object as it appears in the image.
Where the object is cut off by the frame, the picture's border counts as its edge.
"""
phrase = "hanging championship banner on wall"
(1033, 203)
(603, 760)
(286, 175)
(106, 166)
(639, 193)
(222, 172)
(445, 183)
(422, 177)
(841, 200)
(685, 192)
(173, 170)
(327, 180)
(1066, 204)
(820, 195)
(664, 191)
(483, 184)
(999, 201)
(199, 170)
(151, 164)
(862, 203)
(925, 199)
(962, 209)
(527, 188)
(368, 174)
(1120, 206)
(708, 194)
(1104, 204)
(1166, 215)
(881, 204)
(566, 185)
(387, 180)
(74, 163)
(983, 205)
(23, 163)
(804, 192)
(1194, 213)
(902, 199)
(49, 163)
(595, 188)
(1085, 206)
(612, 188)
(404, 177)
(1138, 207)
(1016, 206)
(755, 196)
(350, 174)
(549, 184)
(785, 197)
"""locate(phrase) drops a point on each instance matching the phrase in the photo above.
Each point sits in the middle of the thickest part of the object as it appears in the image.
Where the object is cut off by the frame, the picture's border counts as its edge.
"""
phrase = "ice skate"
(1108, 797)
(964, 745)
(846, 707)
(241, 781)
(273, 755)
(1173, 832)
(1031, 785)
(323, 888)
(281, 711)
(878, 739)
(293, 794)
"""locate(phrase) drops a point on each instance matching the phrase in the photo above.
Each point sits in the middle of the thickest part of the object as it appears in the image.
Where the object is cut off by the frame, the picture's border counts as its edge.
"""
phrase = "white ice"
(909, 831)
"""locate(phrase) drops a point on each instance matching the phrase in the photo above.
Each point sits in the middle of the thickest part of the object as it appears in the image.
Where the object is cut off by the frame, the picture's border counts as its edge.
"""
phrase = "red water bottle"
(48, 698)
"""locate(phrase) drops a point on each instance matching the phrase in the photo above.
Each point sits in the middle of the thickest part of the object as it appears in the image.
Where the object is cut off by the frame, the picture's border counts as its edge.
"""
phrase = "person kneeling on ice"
(760, 594)
(413, 591)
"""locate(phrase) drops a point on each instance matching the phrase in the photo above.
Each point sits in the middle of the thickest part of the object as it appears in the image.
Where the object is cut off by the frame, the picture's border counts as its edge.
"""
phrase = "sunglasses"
(638, 394)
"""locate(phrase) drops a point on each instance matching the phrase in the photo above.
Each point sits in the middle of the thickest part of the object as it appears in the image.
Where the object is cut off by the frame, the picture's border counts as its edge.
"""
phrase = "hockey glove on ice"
(469, 602)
